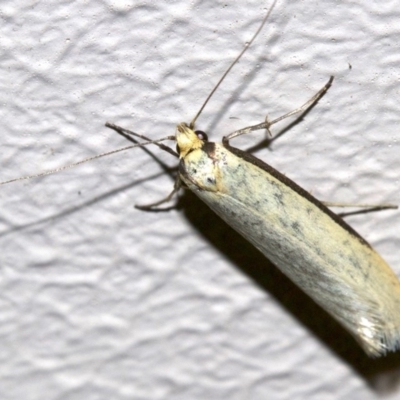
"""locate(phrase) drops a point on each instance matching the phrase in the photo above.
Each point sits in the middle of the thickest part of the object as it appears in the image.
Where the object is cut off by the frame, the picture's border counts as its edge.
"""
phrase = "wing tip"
(380, 343)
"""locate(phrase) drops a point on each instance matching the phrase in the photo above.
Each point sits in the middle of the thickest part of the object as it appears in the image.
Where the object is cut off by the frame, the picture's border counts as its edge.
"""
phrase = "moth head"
(188, 140)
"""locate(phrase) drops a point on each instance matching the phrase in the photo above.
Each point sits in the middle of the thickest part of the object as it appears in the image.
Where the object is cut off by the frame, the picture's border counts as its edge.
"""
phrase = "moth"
(309, 243)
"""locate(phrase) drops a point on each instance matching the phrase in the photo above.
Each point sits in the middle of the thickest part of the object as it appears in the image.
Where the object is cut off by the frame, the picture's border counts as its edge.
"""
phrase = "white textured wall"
(101, 301)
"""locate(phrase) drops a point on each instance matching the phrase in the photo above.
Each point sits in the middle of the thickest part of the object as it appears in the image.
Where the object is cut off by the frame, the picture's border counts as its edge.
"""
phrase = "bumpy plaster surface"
(101, 301)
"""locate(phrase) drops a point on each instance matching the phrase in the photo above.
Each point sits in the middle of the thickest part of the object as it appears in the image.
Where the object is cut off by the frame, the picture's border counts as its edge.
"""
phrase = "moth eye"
(201, 135)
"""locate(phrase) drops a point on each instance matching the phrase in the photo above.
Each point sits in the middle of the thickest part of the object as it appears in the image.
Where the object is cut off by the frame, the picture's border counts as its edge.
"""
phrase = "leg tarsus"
(148, 207)
(267, 124)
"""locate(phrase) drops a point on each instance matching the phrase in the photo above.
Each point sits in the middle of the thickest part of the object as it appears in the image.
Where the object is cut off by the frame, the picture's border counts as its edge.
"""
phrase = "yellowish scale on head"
(186, 139)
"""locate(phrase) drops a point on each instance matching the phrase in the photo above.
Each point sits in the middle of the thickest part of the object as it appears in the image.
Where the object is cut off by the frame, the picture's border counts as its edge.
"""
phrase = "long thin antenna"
(156, 142)
(53, 171)
(246, 46)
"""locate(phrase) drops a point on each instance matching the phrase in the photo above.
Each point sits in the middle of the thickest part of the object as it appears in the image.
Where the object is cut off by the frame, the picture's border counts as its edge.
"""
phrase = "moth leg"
(383, 206)
(267, 124)
(177, 185)
(127, 133)
(365, 208)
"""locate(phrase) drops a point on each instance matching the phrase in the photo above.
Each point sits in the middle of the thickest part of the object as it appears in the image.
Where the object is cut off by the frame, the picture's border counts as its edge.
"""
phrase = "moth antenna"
(246, 46)
(108, 153)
